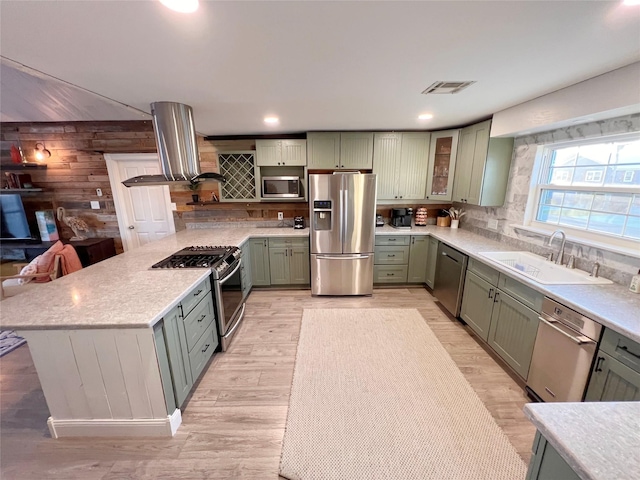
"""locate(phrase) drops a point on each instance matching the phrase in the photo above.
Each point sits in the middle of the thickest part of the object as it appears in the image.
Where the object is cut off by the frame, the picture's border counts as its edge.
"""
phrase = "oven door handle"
(222, 281)
(238, 321)
(579, 340)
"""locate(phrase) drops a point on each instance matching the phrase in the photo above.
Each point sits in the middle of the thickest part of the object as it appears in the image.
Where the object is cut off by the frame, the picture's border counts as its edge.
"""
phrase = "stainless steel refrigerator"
(342, 217)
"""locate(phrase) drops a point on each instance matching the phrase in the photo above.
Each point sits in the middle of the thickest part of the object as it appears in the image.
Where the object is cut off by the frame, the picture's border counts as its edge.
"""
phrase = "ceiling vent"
(446, 87)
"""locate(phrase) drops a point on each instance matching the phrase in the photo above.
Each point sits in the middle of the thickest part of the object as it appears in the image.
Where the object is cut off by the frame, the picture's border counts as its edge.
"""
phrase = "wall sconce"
(41, 152)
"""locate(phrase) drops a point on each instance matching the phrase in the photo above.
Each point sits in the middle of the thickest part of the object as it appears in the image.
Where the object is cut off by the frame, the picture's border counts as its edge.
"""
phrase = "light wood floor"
(234, 423)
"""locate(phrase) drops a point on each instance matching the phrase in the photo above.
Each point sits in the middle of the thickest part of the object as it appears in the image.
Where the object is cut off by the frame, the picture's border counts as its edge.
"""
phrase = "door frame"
(118, 189)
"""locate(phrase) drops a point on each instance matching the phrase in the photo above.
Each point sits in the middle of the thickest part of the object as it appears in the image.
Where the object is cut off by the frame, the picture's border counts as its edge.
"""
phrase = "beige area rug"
(376, 396)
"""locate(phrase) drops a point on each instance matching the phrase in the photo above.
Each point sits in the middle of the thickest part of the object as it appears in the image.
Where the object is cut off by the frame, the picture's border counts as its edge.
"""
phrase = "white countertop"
(599, 440)
(613, 306)
(124, 292)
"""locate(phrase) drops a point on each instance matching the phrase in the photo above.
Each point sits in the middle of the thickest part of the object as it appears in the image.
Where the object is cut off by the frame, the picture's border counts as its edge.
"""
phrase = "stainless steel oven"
(230, 304)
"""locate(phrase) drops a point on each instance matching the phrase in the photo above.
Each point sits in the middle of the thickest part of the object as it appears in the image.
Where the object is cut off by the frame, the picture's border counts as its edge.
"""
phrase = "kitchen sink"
(539, 269)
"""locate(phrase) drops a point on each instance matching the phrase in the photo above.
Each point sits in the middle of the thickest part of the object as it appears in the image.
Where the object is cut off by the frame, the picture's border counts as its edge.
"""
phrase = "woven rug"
(376, 396)
(9, 341)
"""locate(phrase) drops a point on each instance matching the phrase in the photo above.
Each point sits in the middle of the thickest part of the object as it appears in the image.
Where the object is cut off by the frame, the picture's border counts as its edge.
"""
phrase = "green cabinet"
(289, 261)
(391, 259)
(418, 259)
(477, 304)
(503, 312)
(615, 376)
(281, 153)
(547, 464)
(178, 355)
(432, 258)
(401, 162)
(482, 169)
(512, 332)
(340, 151)
(259, 261)
(442, 164)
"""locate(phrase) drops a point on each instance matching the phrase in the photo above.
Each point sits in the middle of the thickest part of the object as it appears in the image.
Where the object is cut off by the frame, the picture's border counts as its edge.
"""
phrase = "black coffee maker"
(401, 217)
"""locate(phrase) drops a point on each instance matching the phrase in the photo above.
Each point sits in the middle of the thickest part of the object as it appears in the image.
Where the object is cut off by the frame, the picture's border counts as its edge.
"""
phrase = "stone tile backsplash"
(617, 267)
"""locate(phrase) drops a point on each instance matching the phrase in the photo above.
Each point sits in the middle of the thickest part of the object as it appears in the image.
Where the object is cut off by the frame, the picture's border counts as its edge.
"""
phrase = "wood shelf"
(23, 166)
(20, 190)
(203, 203)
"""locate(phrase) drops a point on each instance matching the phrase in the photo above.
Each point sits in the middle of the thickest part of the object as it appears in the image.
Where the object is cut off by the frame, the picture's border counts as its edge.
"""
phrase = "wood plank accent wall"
(77, 167)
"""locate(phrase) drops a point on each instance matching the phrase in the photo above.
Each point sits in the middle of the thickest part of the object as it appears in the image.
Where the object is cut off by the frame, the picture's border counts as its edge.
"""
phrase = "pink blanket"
(69, 261)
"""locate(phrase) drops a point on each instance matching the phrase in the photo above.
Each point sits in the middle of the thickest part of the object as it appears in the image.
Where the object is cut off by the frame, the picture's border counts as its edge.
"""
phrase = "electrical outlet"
(99, 192)
(492, 224)
(95, 205)
(174, 207)
(280, 216)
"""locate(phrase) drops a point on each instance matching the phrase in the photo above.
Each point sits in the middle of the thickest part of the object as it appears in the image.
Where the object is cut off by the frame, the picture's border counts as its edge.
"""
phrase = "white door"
(144, 213)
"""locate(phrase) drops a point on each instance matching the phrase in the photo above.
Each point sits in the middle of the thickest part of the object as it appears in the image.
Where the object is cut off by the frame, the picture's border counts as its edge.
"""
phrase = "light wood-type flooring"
(234, 422)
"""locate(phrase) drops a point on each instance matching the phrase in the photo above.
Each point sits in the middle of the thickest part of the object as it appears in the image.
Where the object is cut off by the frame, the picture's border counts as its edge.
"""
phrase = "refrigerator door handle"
(343, 213)
(342, 257)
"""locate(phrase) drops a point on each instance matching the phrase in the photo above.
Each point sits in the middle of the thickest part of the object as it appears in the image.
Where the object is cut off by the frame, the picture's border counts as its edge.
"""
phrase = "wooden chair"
(10, 285)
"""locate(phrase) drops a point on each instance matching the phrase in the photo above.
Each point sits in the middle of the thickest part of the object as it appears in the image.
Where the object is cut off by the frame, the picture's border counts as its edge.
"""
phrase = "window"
(591, 189)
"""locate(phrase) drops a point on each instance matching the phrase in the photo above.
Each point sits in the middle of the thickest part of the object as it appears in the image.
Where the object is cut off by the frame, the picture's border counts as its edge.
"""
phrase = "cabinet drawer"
(202, 352)
(484, 271)
(284, 242)
(621, 348)
(390, 274)
(198, 321)
(195, 295)
(393, 240)
(391, 255)
(521, 292)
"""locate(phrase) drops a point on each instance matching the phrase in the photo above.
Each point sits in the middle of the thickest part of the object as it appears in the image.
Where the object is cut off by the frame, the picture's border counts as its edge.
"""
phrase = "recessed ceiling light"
(631, 3)
(271, 120)
(182, 6)
(425, 116)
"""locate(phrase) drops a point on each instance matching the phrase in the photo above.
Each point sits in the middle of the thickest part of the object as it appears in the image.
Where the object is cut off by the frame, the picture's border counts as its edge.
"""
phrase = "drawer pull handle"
(206, 347)
(391, 239)
(197, 293)
(496, 298)
(599, 364)
(202, 317)
(491, 293)
(391, 255)
(391, 274)
(626, 350)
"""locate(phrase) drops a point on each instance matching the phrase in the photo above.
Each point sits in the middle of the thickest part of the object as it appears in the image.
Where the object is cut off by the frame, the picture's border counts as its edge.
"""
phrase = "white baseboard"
(135, 427)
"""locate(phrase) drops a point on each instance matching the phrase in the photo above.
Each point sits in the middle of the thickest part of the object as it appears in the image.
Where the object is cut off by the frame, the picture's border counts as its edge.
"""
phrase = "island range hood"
(177, 147)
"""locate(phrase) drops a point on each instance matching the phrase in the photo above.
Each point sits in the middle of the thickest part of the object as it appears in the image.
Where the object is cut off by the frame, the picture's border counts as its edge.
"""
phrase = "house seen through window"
(591, 188)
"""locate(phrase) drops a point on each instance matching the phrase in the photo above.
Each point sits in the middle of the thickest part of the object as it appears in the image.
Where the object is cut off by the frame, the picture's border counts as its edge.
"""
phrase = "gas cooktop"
(217, 258)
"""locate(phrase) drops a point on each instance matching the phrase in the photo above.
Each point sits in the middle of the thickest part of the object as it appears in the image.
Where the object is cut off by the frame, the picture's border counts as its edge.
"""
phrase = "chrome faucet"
(560, 256)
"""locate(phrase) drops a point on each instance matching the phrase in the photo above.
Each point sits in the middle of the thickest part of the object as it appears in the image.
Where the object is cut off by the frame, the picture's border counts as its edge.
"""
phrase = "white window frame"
(602, 240)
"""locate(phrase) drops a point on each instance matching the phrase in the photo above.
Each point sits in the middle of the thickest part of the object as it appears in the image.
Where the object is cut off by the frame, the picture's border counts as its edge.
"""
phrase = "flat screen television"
(14, 223)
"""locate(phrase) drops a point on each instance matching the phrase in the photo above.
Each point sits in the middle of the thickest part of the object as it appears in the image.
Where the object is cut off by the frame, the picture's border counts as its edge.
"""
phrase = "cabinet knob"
(337, 166)
(396, 196)
(400, 196)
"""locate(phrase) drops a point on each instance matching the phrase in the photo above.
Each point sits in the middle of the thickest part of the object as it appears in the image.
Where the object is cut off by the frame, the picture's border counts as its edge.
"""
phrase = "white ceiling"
(317, 65)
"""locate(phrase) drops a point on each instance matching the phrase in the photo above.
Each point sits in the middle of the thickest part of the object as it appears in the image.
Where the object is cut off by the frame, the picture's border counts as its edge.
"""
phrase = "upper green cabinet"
(401, 160)
(340, 150)
(442, 164)
(274, 153)
(482, 167)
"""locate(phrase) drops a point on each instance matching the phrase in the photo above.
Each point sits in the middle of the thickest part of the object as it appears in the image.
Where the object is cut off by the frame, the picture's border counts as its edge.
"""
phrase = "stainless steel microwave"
(281, 187)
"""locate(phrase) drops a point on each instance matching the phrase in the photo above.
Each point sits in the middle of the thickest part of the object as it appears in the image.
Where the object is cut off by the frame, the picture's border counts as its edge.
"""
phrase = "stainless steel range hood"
(177, 147)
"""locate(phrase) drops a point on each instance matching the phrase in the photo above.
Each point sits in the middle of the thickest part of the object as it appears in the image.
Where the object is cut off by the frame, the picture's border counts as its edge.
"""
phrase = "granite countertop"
(599, 440)
(122, 291)
(613, 306)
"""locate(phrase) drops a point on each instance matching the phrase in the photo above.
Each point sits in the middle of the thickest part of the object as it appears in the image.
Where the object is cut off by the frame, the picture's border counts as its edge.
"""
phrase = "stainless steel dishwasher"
(563, 353)
(451, 267)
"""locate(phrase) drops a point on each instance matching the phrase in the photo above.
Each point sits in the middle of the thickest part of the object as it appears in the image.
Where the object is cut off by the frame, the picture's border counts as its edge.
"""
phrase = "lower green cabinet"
(503, 320)
(184, 345)
(432, 258)
(615, 376)
(289, 265)
(477, 304)
(260, 268)
(418, 259)
(512, 333)
(547, 464)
